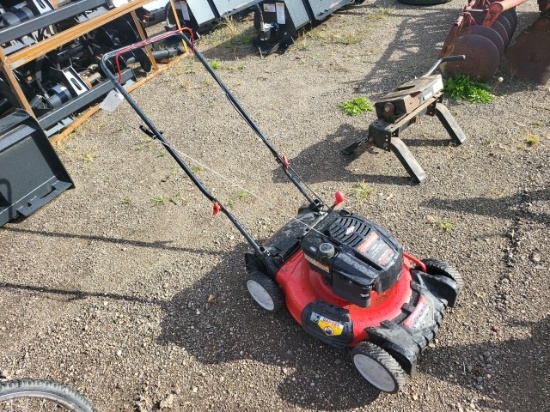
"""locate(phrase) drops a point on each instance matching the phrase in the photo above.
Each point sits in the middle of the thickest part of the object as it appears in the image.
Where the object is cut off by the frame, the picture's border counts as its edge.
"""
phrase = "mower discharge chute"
(345, 280)
(276, 22)
(529, 55)
(482, 33)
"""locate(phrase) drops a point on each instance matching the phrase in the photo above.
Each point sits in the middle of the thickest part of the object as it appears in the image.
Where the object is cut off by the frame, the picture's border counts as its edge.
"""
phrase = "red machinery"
(483, 31)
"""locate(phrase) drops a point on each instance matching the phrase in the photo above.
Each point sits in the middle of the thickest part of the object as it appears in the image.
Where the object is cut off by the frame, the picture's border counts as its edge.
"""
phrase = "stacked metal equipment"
(482, 33)
(278, 21)
(202, 15)
(65, 81)
(23, 23)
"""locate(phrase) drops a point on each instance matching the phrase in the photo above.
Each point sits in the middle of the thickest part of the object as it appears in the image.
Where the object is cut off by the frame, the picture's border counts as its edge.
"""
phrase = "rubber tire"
(423, 2)
(439, 267)
(378, 357)
(25, 389)
(260, 283)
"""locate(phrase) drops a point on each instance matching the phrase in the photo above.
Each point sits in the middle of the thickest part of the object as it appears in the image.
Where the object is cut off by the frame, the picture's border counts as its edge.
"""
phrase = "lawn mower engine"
(348, 283)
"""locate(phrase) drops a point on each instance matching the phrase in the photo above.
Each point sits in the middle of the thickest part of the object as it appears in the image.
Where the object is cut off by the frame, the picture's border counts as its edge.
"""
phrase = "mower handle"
(282, 160)
(443, 60)
(157, 134)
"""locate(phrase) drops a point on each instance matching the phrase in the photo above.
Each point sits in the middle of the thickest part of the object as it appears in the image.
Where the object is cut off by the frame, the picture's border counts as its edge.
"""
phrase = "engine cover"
(354, 255)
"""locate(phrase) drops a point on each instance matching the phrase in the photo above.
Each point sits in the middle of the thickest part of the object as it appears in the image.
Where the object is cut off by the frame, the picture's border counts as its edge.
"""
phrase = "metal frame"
(72, 9)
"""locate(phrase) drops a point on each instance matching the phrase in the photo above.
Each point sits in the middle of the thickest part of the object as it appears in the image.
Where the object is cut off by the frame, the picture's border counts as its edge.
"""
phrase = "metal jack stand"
(400, 109)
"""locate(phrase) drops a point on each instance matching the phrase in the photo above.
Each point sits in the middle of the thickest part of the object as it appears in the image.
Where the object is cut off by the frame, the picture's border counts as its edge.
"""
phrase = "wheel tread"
(22, 388)
(439, 267)
(271, 287)
(381, 356)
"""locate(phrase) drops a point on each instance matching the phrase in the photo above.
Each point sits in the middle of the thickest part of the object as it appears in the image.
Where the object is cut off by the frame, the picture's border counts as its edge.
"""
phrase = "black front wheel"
(265, 291)
(38, 395)
(439, 267)
(378, 367)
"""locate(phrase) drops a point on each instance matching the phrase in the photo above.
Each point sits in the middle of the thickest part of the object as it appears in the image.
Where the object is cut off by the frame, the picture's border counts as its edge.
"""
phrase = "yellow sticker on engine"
(329, 326)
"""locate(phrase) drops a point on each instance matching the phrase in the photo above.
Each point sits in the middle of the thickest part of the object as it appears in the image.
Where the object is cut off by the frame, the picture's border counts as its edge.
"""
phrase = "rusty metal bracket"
(402, 108)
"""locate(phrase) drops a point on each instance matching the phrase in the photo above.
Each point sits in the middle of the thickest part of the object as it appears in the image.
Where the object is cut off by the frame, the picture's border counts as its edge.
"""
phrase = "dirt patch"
(127, 289)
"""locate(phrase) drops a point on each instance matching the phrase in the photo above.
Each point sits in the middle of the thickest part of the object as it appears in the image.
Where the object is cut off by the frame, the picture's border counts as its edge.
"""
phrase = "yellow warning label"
(330, 327)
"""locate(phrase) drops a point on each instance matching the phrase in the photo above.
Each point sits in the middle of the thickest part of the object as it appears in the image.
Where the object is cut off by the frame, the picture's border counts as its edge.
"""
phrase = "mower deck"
(379, 295)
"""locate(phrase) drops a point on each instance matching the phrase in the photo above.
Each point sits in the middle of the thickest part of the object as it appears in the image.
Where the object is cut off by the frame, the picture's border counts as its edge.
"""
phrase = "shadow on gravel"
(508, 207)
(232, 327)
(158, 244)
(324, 161)
(404, 58)
(518, 368)
(71, 295)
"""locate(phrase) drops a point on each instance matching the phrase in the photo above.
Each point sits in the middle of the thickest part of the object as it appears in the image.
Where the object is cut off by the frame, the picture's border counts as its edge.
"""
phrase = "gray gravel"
(141, 304)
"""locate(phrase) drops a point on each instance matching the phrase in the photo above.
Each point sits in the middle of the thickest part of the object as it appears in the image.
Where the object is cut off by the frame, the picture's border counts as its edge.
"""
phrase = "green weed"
(462, 87)
(215, 64)
(242, 194)
(159, 199)
(362, 191)
(348, 39)
(381, 13)
(357, 106)
(445, 224)
(231, 34)
(176, 199)
(531, 140)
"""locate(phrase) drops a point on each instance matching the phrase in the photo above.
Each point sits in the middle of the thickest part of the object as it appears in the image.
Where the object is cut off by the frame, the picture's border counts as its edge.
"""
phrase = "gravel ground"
(127, 289)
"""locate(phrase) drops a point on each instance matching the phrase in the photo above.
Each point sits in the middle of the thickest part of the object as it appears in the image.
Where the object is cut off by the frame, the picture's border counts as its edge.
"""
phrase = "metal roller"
(490, 34)
(499, 28)
(482, 57)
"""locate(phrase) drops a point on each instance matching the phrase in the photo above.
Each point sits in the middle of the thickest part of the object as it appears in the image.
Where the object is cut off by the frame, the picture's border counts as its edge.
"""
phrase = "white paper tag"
(281, 19)
(111, 102)
(118, 3)
(269, 8)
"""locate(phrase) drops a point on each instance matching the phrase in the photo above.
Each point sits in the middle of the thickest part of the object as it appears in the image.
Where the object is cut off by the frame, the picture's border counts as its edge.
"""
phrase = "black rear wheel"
(265, 291)
(27, 395)
(378, 367)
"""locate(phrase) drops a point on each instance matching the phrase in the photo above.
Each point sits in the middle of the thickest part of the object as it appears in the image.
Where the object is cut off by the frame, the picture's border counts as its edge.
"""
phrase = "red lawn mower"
(345, 280)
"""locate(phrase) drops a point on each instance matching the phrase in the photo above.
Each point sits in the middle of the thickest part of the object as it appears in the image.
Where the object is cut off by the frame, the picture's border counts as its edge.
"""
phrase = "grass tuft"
(357, 106)
(445, 225)
(159, 199)
(215, 64)
(462, 87)
(531, 140)
(362, 191)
